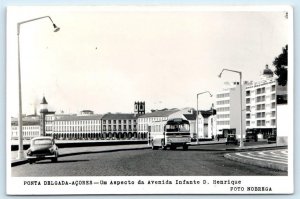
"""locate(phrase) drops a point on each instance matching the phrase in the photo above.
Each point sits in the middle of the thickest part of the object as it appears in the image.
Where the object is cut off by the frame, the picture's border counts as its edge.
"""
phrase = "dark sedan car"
(42, 148)
(231, 139)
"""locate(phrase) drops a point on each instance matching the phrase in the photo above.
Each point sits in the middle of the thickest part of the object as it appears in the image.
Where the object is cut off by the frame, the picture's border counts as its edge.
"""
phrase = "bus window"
(172, 128)
(184, 127)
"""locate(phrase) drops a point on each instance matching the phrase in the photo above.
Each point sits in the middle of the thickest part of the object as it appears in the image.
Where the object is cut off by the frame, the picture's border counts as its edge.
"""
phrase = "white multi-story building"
(73, 127)
(30, 128)
(261, 105)
(120, 126)
(228, 108)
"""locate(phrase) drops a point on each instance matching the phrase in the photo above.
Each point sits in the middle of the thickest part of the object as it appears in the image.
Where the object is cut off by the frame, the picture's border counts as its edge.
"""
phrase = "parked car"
(231, 139)
(42, 148)
(272, 138)
(251, 137)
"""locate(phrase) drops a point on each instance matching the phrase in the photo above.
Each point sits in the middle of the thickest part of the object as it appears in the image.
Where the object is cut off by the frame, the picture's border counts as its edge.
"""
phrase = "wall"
(284, 124)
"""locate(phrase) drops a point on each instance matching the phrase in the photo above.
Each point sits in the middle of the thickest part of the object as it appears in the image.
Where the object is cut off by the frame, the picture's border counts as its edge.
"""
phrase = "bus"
(171, 133)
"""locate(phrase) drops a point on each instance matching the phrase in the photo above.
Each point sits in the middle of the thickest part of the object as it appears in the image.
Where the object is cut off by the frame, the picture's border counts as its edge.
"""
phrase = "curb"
(257, 163)
(18, 162)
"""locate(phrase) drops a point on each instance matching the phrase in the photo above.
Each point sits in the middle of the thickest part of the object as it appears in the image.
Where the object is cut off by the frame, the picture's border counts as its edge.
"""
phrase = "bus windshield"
(177, 128)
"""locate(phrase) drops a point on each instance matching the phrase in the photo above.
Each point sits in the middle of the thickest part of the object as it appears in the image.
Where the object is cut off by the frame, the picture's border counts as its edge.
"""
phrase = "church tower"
(43, 112)
(139, 108)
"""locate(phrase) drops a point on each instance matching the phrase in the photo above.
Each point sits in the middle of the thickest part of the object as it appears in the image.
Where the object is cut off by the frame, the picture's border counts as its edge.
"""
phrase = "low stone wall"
(282, 141)
(77, 143)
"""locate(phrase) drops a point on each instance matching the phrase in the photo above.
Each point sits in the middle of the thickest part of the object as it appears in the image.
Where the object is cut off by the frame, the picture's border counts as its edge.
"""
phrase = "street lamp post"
(197, 131)
(20, 125)
(241, 104)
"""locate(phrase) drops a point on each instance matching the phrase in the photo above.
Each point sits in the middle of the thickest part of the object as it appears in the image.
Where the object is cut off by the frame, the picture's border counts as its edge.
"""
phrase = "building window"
(247, 93)
(221, 116)
(260, 98)
(115, 121)
(109, 128)
(222, 95)
(247, 108)
(247, 123)
(273, 87)
(222, 122)
(109, 121)
(248, 115)
(273, 96)
(222, 109)
(247, 100)
(273, 113)
(260, 107)
(273, 104)
(223, 102)
(120, 127)
(115, 127)
(261, 123)
(258, 91)
(273, 122)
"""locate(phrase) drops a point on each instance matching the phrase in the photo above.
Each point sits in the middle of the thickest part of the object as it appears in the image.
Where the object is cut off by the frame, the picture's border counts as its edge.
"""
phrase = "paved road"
(197, 161)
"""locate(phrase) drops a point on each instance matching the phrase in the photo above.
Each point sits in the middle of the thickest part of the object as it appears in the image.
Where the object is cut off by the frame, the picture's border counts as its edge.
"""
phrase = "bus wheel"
(163, 147)
(173, 147)
(154, 147)
(185, 147)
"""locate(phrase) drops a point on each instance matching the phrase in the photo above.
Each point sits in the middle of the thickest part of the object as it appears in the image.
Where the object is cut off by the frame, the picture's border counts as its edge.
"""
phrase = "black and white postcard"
(132, 99)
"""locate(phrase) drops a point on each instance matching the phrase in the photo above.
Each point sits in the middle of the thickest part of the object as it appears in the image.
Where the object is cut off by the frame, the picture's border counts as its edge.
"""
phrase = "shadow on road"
(92, 152)
(62, 161)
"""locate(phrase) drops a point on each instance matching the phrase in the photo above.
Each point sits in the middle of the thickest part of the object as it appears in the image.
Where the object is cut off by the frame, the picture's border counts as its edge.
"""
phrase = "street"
(203, 160)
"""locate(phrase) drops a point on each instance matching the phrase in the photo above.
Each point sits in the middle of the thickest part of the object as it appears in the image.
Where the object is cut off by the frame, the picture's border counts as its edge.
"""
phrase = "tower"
(43, 112)
(139, 108)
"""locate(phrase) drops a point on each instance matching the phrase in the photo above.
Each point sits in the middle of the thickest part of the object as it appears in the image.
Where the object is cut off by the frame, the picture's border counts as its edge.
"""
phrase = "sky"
(106, 58)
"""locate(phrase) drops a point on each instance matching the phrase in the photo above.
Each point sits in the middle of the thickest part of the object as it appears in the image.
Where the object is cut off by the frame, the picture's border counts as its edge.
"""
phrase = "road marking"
(274, 155)
(252, 156)
(266, 157)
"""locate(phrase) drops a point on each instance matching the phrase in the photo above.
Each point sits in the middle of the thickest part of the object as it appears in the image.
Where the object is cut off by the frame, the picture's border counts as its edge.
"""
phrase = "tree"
(281, 65)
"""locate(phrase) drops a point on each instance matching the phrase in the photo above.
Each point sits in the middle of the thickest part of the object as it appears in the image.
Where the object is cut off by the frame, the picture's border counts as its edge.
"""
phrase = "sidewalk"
(274, 159)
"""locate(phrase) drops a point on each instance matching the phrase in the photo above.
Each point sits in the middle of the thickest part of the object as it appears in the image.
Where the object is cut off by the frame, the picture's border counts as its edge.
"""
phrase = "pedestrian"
(218, 137)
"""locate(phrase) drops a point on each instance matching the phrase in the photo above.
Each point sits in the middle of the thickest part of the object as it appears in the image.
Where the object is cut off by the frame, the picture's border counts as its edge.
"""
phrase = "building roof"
(26, 123)
(192, 116)
(77, 117)
(164, 113)
(267, 71)
(86, 111)
(206, 114)
(119, 116)
(44, 101)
